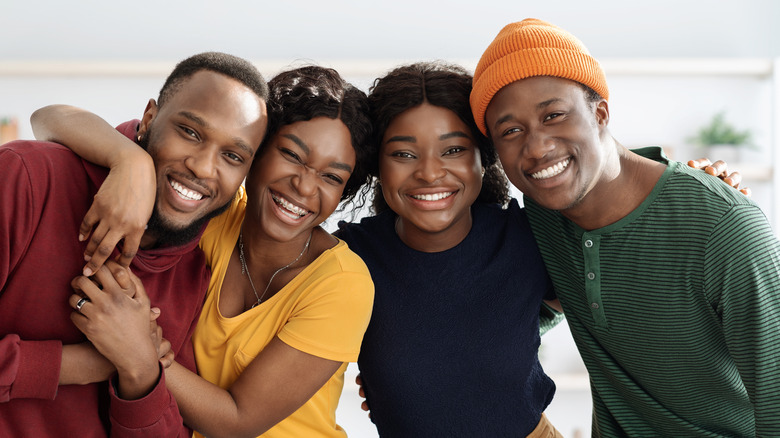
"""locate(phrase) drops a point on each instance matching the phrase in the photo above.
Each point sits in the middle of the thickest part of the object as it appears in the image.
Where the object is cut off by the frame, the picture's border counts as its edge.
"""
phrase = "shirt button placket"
(590, 251)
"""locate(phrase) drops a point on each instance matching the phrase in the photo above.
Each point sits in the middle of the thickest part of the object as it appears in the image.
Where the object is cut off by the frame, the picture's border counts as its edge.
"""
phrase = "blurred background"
(680, 72)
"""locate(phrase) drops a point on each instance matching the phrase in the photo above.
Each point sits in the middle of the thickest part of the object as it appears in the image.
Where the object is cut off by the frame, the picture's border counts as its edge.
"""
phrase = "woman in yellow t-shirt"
(288, 303)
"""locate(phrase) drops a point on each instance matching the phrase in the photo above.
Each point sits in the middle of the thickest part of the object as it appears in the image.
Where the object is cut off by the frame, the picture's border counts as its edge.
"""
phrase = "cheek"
(391, 175)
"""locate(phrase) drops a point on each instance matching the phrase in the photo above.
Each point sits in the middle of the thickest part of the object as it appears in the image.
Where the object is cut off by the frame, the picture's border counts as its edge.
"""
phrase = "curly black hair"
(308, 92)
(440, 84)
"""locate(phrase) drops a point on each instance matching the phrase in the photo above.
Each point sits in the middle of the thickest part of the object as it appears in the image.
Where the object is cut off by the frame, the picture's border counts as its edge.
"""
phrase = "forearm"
(204, 406)
(82, 364)
(276, 384)
(86, 134)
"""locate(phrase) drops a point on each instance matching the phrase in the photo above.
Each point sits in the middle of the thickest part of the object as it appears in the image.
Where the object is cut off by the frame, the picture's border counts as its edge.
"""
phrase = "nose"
(305, 181)
(430, 169)
(203, 163)
(537, 145)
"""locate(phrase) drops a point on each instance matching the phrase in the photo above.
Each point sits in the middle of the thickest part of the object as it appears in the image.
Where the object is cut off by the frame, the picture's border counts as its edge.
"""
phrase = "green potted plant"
(721, 140)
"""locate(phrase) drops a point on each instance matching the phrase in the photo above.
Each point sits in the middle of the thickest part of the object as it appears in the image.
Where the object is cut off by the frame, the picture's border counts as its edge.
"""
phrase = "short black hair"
(311, 91)
(232, 66)
(443, 85)
(590, 94)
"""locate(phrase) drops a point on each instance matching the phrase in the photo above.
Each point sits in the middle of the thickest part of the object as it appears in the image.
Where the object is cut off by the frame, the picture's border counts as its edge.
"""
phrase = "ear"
(149, 114)
(602, 113)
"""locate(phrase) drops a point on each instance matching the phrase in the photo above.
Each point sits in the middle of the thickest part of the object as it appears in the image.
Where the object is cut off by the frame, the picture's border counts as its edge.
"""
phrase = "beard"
(166, 233)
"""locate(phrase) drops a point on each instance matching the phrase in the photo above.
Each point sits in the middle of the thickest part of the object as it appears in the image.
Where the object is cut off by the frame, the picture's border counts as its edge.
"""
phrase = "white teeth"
(551, 171)
(295, 211)
(186, 193)
(432, 196)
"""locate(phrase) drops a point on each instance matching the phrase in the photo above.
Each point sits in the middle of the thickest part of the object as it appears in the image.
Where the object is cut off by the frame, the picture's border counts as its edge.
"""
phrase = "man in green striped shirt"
(669, 279)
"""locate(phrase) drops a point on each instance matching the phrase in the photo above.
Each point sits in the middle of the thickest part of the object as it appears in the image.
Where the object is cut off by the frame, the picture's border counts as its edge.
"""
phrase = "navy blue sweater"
(451, 349)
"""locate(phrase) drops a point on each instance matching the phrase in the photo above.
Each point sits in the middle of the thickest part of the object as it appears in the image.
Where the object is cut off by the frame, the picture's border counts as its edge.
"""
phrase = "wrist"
(137, 382)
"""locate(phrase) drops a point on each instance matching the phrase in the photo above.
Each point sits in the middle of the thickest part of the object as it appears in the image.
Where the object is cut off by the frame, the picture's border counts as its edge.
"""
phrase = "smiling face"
(297, 180)
(431, 174)
(202, 142)
(548, 138)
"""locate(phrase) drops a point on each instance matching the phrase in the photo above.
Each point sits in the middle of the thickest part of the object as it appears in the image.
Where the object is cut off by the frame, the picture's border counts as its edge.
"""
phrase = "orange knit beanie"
(532, 48)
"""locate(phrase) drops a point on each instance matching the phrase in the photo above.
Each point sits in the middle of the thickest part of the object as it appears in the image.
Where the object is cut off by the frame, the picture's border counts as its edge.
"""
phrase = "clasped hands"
(119, 322)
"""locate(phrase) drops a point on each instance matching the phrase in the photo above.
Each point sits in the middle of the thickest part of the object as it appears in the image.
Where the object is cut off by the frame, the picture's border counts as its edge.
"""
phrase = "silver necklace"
(245, 270)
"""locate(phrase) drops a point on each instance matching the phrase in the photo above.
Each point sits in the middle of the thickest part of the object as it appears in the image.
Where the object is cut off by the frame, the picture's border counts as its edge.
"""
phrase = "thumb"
(140, 292)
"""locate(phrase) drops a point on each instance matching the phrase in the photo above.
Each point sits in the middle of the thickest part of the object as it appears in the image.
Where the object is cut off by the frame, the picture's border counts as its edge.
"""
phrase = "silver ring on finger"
(81, 303)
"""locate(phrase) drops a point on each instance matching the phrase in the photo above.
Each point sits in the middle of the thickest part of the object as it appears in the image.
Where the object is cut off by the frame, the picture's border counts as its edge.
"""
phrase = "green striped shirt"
(675, 309)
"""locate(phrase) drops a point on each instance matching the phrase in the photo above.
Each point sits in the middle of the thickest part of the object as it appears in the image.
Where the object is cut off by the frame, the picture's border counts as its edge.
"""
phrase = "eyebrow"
(241, 144)
(539, 106)
(548, 102)
(334, 164)
(411, 139)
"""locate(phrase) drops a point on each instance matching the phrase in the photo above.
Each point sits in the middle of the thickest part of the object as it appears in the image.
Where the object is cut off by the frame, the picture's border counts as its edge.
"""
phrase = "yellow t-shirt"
(323, 311)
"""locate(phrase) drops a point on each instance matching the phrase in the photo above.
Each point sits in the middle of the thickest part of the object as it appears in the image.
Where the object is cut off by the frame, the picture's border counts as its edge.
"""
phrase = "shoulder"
(129, 128)
(48, 165)
(692, 194)
(487, 216)
(369, 231)
(221, 228)
(33, 151)
(342, 260)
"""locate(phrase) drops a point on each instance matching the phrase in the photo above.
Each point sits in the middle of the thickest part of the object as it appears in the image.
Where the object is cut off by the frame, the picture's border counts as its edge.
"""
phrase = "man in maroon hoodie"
(201, 133)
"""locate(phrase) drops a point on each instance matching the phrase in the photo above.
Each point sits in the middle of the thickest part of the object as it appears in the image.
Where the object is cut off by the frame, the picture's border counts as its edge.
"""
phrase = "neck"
(148, 241)
(433, 241)
(268, 254)
(621, 189)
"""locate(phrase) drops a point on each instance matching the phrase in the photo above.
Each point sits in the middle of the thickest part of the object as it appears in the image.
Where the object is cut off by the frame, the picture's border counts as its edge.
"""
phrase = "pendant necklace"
(245, 270)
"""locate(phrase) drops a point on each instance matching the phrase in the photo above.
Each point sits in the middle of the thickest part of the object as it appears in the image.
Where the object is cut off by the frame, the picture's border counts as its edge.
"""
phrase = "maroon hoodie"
(45, 191)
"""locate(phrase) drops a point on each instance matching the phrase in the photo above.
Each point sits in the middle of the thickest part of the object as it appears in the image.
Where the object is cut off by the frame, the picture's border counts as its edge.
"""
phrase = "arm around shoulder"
(125, 200)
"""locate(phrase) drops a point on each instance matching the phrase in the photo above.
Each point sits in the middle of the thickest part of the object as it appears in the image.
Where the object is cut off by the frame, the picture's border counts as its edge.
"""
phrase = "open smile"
(288, 208)
(551, 171)
(185, 193)
(432, 196)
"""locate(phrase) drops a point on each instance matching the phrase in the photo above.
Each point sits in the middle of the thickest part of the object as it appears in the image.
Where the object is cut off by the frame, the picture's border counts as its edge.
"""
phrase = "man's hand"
(120, 210)
(116, 319)
(720, 169)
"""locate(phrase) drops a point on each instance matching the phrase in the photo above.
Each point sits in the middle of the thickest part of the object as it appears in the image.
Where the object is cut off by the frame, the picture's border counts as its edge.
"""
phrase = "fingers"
(733, 179)
(130, 248)
(164, 348)
(94, 253)
(84, 286)
(138, 287)
(121, 275)
(90, 219)
(700, 163)
(717, 168)
(746, 191)
(105, 277)
(77, 302)
(167, 360)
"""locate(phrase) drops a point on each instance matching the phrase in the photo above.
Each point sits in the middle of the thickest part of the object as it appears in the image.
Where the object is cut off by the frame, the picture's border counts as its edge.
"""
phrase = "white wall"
(111, 57)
